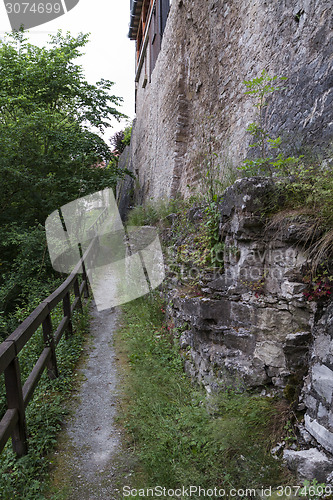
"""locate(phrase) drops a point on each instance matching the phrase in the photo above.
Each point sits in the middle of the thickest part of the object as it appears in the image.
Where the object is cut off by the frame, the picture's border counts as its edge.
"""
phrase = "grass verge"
(181, 437)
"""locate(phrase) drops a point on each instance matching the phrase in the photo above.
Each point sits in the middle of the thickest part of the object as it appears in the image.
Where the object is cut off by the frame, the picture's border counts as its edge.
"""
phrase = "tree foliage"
(120, 140)
(50, 150)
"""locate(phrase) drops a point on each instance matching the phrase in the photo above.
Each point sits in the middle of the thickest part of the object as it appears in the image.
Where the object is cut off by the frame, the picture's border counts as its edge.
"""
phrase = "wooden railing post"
(84, 273)
(85, 277)
(52, 368)
(15, 401)
(77, 292)
(66, 302)
(13, 422)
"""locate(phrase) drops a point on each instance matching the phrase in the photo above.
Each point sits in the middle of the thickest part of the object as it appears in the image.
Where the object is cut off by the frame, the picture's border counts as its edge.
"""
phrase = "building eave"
(136, 6)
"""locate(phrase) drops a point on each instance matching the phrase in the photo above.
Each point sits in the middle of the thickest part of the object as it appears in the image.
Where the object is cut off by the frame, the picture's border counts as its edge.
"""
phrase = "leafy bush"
(120, 140)
(269, 160)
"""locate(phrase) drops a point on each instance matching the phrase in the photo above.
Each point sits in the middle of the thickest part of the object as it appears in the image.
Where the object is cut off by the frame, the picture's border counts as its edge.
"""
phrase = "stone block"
(270, 318)
(245, 342)
(217, 311)
(270, 354)
(322, 381)
(296, 349)
(309, 464)
(218, 284)
(322, 413)
(289, 290)
(298, 339)
(311, 403)
(323, 348)
(240, 313)
(257, 190)
(319, 432)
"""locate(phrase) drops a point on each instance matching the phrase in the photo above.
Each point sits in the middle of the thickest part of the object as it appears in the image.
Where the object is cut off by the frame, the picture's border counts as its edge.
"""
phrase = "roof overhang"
(136, 6)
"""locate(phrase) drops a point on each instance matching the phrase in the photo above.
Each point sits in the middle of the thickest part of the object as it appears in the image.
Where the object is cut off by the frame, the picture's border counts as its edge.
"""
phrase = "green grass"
(27, 478)
(181, 437)
(154, 211)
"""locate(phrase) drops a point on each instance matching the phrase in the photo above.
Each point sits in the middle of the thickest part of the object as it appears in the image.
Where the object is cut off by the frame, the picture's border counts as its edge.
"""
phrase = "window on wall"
(153, 19)
(155, 40)
(158, 22)
(164, 9)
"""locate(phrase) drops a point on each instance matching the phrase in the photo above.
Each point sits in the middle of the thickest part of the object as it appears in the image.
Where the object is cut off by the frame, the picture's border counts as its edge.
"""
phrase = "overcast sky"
(109, 54)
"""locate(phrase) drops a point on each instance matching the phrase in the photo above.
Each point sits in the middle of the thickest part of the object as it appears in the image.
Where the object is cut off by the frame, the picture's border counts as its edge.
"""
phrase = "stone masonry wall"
(209, 47)
(318, 389)
(252, 322)
(250, 325)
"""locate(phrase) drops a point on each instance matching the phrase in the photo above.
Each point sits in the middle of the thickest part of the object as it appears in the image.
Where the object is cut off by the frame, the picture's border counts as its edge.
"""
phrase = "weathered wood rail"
(13, 423)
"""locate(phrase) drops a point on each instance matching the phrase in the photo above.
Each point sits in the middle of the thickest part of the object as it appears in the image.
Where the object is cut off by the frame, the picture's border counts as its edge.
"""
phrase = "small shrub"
(319, 287)
(315, 491)
(270, 161)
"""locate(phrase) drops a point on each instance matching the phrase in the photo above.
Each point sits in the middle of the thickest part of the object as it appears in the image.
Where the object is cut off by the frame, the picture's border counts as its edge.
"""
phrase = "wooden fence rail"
(13, 423)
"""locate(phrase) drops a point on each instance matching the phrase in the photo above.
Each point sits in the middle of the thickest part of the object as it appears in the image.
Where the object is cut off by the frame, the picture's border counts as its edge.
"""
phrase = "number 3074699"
(33, 8)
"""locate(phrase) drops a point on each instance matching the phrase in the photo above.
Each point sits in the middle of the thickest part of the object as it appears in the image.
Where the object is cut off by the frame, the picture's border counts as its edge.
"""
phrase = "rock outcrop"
(250, 324)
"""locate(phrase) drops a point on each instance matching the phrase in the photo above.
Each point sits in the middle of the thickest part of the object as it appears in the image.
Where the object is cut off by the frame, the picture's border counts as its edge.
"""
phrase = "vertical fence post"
(85, 277)
(84, 273)
(66, 302)
(15, 400)
(52, 368)
(77, 292)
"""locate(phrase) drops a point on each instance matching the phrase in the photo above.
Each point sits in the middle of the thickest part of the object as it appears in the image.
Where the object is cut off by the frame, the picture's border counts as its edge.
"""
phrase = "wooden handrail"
(13, 422)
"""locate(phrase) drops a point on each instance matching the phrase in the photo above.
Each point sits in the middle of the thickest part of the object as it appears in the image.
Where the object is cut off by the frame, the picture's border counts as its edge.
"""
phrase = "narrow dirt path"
(90, 462)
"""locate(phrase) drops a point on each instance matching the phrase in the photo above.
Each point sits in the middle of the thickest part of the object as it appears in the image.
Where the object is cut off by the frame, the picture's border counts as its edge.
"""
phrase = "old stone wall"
(196, 92)
(250, 324)
(318, 389)
(126, 186)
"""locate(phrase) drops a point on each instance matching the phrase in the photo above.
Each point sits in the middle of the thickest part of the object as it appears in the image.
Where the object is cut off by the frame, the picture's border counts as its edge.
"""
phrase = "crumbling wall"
(209, 48)
(318, 390)
(250, 324)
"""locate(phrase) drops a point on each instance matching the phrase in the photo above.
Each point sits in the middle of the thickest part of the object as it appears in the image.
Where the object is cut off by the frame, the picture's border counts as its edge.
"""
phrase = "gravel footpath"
(90, 462)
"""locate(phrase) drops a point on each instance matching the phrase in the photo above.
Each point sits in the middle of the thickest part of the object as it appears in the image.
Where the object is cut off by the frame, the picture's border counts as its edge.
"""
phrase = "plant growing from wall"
(213, 164)
(257, 287)
(216, 174)
(304, 182)
(269, 161)
(315, 491)
(319, 286)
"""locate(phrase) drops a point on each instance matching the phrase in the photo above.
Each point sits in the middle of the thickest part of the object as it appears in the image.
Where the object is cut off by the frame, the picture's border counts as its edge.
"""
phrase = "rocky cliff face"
(318, 388)
(209, 48)
(251, 325)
